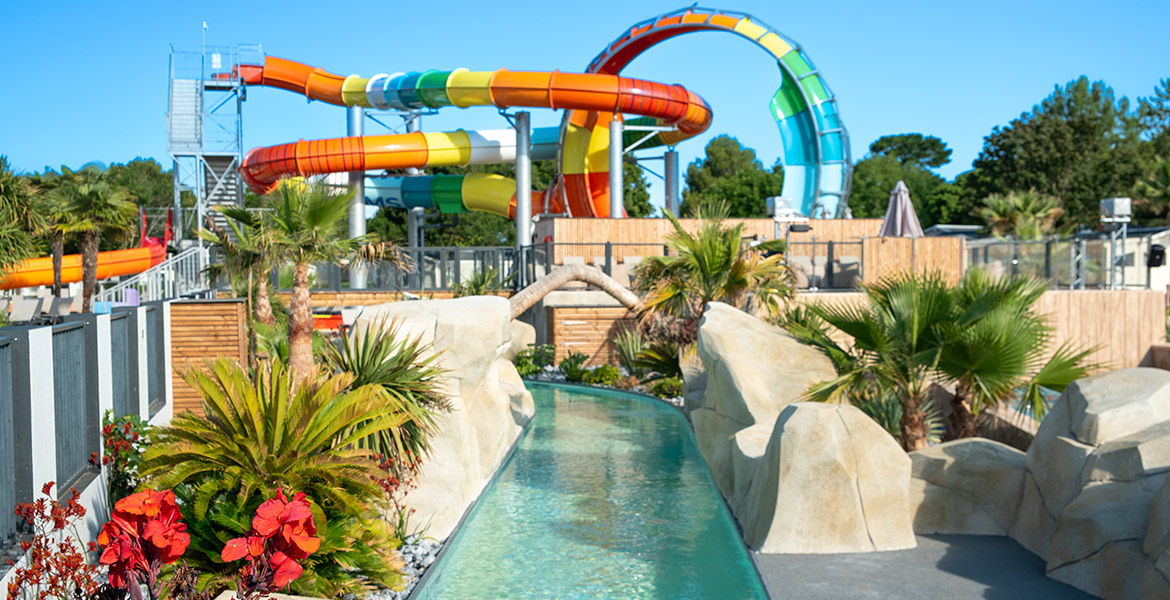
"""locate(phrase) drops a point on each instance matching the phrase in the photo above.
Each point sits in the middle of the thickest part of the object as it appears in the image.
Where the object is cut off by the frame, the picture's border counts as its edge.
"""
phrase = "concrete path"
(957, 567)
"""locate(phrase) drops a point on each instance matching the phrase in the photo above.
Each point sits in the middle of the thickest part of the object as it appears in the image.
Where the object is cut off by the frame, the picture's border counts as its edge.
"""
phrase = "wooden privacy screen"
(588, 330)
(888, 256)
(201, 330)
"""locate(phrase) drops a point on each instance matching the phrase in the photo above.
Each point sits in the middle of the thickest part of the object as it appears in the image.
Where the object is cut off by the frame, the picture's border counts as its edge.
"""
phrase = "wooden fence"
(201, 330)
(589, 330)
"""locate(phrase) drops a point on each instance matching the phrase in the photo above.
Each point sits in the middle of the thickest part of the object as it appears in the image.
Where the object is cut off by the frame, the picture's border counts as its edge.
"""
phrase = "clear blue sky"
(88, 81)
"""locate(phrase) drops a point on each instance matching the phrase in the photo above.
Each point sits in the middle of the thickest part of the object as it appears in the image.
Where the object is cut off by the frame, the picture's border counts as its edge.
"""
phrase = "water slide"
(36, 272)
(815, 148)
(582, 191)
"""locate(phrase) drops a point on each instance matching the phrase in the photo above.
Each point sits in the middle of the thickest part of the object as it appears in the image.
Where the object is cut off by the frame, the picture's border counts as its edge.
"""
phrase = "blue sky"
(88, 81)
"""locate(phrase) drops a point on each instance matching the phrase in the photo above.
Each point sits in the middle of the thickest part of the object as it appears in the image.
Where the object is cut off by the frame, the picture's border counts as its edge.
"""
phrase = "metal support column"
(414, 219)
(357, 206)
(671, 173)
(616, 147)
(523, 192)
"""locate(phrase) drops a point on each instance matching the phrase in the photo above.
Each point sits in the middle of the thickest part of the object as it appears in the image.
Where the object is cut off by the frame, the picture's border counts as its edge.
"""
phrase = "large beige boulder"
(489, 405)
(751, 371)
(523, 336)
(754, 369)
(970, 486)
(830, 480)
(1093, 491)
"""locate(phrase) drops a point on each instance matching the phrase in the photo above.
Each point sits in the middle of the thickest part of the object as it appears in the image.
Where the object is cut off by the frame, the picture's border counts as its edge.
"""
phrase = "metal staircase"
(179, 276)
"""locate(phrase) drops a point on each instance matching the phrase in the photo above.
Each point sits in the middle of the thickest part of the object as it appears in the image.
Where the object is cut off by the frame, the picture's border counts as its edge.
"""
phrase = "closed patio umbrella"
(900, 219)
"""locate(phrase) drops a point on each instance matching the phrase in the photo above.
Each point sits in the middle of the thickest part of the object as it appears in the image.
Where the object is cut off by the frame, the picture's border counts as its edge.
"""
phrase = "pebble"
(418, 554)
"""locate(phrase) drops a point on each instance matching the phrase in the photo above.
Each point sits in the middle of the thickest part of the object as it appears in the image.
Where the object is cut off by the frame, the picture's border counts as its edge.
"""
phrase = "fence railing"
(55, 383)
(181, 275)
(1077, 263)
(155, 361)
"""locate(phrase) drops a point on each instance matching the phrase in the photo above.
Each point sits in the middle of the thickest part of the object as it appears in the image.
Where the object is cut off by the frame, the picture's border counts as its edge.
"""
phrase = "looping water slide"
(815, 143)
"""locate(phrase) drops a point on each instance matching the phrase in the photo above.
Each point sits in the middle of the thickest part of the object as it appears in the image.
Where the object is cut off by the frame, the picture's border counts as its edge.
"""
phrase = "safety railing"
(1076, 263)
(179, 276)
(71, 382)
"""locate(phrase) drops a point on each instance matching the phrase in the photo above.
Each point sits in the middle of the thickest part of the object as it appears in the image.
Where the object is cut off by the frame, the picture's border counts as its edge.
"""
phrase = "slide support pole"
(523, 192)
(671, 175)
(615, 169)
(357, 206)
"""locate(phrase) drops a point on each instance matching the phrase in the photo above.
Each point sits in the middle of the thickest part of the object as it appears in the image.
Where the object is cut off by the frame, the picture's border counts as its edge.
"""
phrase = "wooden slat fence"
(201, 330)
(589, 330)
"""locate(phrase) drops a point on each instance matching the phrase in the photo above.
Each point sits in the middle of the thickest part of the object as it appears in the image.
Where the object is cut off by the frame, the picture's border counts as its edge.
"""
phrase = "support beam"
(355, 126)
(671, 176)
(523, 190)
(616, 209)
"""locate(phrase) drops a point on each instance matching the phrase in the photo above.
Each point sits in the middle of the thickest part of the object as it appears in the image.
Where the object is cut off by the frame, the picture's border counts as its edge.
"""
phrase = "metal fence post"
(609, 258)
(831, 280)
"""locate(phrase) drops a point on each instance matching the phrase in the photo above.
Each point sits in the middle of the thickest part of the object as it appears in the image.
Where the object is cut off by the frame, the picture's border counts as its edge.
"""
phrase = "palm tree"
(1023, 215)
(1155, 186)
(307, 225)
(19, 217)
(710, 265)
(95, 207)
(56, 216)
(981, 335)
(246, 253)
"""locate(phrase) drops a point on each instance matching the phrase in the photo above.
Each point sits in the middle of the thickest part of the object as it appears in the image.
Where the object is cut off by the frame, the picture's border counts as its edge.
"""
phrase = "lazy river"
(606, 496)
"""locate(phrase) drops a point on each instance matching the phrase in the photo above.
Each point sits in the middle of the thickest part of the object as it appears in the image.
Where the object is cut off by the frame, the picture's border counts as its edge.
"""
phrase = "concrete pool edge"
(429, 574)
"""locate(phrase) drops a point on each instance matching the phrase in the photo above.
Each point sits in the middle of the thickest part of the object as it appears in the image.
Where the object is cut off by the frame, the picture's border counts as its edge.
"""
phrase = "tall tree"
(913, 149)
(97, 207)
(635, 191)
(1080, 144)
(1152, 191)
(730, 172)
(1021, 215)
(146, 182)
(307, 226)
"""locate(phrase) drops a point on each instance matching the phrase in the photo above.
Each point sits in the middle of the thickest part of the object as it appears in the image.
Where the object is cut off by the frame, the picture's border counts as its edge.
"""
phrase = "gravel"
(418, 554)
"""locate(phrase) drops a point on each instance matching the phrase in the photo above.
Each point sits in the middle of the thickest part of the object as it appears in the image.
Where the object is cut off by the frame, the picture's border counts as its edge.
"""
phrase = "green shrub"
(660, 359)
(603, 375)
(534, 359)
(480, 283)
(573, 366)
(667, 387)
(261, 433)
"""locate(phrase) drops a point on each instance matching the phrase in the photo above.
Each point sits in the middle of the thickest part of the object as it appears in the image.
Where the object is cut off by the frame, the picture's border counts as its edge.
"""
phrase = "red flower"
(282, 532)
(145, 532)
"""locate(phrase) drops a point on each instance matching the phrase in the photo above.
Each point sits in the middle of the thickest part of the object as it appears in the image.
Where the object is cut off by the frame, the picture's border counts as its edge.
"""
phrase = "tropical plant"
(262, 432)
(668, 387)
(711, 265)
(914, 330)
(1022, 215)
(481, 283)
(57, 217)
(382, 355)
(145, 532)
(283, 532)
(660, 359)
(96, 206)
(573, 366)
(246, 254)
(629, 345)
(56, 566)
(307, 226)
(123, 441)
(602, 375)
(20, 218)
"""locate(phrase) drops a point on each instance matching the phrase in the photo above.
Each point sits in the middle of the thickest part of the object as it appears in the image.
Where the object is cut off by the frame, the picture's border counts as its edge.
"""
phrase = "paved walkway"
(956, 567)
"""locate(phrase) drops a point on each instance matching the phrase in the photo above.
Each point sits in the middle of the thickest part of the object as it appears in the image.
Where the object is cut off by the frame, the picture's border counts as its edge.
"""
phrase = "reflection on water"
(605, 497)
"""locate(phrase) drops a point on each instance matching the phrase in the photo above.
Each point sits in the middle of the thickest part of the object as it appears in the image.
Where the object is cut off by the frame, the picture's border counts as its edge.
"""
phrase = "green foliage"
(730, 173)
(669, 387)
(534, 359)
(1079, 145)
(20, 217)
(630, 344)
(1152, 192)
(635, 191)
(123, 441)
(659, 359)
(982, 335)
(934, 199)
(573, 366)
(1021, 215)
(260, 432)
(913, 149)
(602, 375)
(480, 283)
(146, 182)
(711, 265)
(383, 356)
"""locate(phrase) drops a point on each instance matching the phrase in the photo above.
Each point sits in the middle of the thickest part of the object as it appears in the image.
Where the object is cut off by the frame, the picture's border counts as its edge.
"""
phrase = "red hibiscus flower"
(282, 533)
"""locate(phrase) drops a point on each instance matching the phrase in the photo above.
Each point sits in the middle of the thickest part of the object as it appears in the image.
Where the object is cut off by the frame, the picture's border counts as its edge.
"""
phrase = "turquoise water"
(605, 497)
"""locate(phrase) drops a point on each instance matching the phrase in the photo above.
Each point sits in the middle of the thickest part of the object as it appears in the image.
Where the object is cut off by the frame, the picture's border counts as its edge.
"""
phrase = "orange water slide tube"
(597, 93)
(36, 272)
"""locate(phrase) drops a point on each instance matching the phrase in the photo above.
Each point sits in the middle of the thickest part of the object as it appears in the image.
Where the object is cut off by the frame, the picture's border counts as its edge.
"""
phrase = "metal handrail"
(177, 276)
